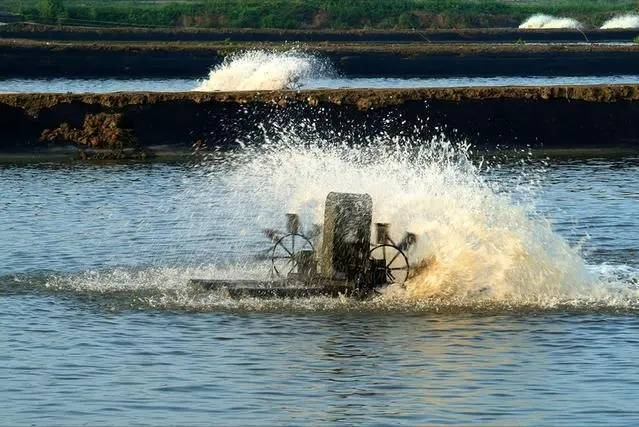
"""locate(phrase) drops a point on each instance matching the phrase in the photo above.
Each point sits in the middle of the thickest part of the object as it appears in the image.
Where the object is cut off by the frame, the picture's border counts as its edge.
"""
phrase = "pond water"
(64, 85)
(526, 313)
(521, 307)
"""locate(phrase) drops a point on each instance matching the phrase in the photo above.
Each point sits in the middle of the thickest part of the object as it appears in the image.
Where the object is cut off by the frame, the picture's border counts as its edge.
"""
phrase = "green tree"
(51, 10)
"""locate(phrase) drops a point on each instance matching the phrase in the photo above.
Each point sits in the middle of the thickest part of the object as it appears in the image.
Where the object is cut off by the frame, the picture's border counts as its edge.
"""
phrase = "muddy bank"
(142, 125)
(483, 35)
(29, 58)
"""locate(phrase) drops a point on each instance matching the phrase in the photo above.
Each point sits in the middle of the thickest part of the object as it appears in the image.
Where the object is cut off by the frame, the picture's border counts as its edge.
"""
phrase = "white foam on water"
(623, 21)
(541, 21)
(153, 278)
(265, 70)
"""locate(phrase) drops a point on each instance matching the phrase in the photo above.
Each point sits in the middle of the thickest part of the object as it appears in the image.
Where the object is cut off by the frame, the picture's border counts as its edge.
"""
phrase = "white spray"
(623, 21)
(481, 241)
(264, 70)
(541, 21)
(475, 241)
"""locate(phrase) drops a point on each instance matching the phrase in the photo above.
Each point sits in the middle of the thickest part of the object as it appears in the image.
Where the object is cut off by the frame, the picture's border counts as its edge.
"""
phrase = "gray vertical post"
(382, 232)
(347, 235)
(292, 223)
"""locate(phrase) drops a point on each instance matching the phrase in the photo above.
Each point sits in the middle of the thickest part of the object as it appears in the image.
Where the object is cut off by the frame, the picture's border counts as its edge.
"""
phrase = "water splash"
(542, 21)
(622, 21)
(265, 70)
(482, 244)
(475, 241)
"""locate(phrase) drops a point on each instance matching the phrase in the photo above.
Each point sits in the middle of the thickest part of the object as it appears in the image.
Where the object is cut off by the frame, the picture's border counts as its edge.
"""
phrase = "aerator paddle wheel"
(293, 253)
(388, 262)
(288, 252)
(346, 263)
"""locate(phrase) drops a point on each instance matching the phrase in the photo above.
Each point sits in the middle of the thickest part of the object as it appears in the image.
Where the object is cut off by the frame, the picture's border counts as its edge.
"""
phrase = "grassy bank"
(314, 14)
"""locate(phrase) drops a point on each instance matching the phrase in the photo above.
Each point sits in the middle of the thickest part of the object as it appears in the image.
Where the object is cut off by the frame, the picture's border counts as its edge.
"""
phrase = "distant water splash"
(265, 70)
(482, 244)
(541, 21)
(620, 22)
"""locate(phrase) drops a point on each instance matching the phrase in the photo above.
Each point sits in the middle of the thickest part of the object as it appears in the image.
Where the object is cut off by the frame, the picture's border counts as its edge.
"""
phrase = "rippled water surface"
(521, 308)
(100, 326)
(70, 362)
(64, 85)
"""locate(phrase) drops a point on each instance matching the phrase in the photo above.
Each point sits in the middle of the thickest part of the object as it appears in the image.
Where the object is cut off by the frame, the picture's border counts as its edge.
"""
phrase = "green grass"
(319, 14)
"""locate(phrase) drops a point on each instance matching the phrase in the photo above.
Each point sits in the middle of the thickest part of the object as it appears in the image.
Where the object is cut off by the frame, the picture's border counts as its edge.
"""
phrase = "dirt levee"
(149, 124)
(29, 58)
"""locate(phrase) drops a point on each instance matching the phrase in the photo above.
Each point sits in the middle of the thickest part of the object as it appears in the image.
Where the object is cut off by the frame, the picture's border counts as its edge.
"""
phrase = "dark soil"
(148, 124)
(29, 58)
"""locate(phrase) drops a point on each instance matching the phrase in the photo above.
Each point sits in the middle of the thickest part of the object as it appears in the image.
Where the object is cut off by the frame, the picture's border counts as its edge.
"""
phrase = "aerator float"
(346, 262)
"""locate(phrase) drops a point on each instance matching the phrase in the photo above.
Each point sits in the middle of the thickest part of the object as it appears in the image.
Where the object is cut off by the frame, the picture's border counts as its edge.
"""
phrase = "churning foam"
(540, 20)
(623, 21)
(264, 70)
